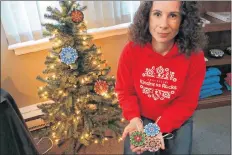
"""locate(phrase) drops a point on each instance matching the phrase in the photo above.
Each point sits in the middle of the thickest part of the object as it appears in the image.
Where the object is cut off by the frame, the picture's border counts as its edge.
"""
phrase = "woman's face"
(164, 20)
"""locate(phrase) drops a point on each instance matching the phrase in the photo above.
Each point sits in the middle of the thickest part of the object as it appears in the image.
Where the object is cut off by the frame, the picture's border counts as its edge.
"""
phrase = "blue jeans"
(181, 143)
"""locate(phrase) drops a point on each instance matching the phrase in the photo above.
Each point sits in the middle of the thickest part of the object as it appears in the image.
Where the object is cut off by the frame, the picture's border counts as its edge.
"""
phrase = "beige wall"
(18, 73)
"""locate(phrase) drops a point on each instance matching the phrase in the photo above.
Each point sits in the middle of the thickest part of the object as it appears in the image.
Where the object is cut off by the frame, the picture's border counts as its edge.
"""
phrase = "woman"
(160, 73)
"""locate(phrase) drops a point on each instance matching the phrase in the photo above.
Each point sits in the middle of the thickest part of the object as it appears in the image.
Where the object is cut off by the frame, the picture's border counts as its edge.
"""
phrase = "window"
(22, 19)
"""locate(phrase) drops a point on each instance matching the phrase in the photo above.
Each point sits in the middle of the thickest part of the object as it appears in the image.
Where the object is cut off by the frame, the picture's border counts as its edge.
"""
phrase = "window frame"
(45, 44)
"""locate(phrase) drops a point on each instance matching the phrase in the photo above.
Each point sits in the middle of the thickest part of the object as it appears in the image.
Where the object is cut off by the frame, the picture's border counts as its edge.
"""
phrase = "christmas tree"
(77, 81)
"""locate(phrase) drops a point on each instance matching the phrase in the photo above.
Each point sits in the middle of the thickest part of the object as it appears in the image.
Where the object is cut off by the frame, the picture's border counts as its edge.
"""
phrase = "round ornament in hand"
(151, 129)
(216, 53)
(137, 138)
(77, 16)
(152, 144)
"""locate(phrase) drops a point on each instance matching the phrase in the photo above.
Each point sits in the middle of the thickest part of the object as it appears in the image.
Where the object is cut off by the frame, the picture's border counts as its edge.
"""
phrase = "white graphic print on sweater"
(155, 83)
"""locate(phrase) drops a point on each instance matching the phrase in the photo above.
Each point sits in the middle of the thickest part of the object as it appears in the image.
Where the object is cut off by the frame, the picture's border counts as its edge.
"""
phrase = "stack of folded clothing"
(211, 85)
(227, 81)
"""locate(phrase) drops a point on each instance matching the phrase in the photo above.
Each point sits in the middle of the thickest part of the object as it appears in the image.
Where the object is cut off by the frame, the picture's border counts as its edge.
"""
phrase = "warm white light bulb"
(64, 94)
(115, 94)
(59, 42)
(84, 42)
(105, 95)
(54, 32)
(57, 140)
(120, 139)
(77, 112)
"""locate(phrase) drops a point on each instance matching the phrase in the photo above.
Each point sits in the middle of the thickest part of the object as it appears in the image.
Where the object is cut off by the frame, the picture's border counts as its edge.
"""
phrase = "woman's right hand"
(134, 125)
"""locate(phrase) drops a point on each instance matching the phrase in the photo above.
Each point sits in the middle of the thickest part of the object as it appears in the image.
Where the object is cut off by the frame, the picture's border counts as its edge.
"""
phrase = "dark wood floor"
(112, 146)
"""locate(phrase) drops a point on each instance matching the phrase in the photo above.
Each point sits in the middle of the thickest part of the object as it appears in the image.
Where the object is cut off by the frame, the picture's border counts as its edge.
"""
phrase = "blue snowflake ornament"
(151, 129)
(68, 55)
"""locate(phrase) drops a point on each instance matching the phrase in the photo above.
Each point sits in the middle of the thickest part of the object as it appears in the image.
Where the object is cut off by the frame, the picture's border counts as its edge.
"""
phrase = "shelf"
(221, 61)
(215, 101)
(216, 24)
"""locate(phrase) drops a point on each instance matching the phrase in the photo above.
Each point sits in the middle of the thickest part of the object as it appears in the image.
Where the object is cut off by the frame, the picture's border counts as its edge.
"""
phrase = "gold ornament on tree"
(101, 87)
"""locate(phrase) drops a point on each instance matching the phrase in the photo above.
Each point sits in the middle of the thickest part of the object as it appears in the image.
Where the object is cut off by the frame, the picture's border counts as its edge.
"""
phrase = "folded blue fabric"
(227, 86)
(212, 93)
(211, 86)
(212, 71)
(211, 79)
(205, 91)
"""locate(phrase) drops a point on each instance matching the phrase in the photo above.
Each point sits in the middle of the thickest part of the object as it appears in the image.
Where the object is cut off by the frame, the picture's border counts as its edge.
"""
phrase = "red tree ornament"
(77, 16)
(101, 87)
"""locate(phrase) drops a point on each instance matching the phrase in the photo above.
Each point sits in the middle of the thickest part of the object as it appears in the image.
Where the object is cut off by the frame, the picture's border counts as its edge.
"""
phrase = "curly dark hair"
(191, 37)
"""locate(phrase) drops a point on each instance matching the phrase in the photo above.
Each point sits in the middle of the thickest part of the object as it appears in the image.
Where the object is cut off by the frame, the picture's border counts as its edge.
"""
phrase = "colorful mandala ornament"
(68, 55)
(77, 16)
(151, 129)
(152, 144)
(137, 138)
(100, 87)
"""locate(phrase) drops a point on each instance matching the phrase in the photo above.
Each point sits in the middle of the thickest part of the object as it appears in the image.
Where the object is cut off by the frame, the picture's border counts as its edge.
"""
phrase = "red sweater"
(151, 85)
